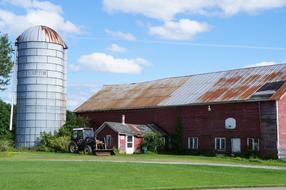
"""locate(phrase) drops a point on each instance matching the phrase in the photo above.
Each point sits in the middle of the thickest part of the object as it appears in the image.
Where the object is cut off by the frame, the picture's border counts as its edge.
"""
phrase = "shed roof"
(131, 129)
(246, 84)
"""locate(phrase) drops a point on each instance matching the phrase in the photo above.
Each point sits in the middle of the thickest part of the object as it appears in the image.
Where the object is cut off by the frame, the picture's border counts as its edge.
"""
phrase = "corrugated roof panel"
(225, 86)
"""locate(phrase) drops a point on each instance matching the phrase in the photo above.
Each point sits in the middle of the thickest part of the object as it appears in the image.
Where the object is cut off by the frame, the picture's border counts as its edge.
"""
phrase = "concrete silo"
(41, 84)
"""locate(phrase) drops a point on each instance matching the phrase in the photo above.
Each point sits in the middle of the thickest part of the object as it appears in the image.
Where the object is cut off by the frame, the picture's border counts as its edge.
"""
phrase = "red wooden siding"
(137, 144)
(107, 131)
(122, 147)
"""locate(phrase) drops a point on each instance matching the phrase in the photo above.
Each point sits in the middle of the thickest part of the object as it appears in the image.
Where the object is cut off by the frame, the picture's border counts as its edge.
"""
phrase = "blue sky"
(125, 41)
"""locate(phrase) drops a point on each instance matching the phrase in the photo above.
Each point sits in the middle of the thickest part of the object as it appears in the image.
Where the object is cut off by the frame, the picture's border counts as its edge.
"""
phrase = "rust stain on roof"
(249, 92)
(227, 81)
(272, 76)
(212, 95)
(137, 95)
(42, 34)
(251, 79)
(234, 85)
(53, 36)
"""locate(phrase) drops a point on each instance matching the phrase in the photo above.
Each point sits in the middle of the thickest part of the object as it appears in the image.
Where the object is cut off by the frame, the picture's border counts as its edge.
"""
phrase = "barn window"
(193, 143)
(253, 144)
(220, 143)
(230, 123)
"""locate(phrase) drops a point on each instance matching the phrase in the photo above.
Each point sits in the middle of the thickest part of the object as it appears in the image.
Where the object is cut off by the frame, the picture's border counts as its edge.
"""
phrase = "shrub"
(53, 143)
(153, 141)
(6, 144)
(60, 144)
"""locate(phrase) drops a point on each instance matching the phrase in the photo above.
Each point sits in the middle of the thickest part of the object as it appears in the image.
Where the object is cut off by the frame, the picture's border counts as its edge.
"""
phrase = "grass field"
(33, 170)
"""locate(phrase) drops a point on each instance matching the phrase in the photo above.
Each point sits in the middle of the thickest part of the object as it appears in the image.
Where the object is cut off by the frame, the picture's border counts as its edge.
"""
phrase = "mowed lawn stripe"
(101, 175)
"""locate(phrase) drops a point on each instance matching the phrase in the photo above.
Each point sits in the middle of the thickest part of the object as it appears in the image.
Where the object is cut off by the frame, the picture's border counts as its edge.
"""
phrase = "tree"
(152, 141)
(5, 119)
(72, 121)
(6, 63)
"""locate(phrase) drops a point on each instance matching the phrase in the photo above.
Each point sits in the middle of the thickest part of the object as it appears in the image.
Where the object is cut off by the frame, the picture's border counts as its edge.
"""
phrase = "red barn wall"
(197, 121)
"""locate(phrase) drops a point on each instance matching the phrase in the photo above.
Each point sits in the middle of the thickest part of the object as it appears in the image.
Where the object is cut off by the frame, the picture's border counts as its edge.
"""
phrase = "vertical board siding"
(107, 131)
(268, 141)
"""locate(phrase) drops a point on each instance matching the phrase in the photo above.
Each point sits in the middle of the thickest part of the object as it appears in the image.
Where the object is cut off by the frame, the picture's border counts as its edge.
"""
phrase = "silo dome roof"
(41, 34)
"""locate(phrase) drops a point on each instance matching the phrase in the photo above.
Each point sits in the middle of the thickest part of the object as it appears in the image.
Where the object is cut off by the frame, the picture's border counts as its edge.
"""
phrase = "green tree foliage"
(5, 119)
(72, 121)
(6, 136)
(177, 137)
(153, 141)
(6, 63)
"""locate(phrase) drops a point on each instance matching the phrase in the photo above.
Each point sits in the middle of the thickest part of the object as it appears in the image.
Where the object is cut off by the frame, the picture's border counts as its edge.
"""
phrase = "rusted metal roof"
(246, 84)
(41, 34)
(131, 129)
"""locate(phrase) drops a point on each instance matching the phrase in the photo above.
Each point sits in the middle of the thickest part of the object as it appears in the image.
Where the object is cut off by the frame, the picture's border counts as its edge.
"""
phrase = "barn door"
(235, 145)
(129, 145)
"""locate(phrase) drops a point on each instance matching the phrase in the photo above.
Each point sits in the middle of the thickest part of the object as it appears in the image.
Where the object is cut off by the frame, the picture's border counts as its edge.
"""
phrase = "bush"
(54, 143)
(6, 144)
(153, 141)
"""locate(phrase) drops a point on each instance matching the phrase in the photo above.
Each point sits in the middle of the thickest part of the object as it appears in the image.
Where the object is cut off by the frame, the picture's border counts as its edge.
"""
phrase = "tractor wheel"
(88, 150)
(73, 148)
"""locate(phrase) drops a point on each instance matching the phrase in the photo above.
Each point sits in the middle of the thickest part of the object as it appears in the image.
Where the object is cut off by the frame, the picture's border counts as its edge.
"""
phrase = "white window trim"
(192, 139)
(220, 138)
(253, 144)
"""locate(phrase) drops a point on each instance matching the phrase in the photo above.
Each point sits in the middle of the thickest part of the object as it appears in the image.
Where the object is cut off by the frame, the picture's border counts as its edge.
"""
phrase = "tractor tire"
(88, 150)
(73, 148)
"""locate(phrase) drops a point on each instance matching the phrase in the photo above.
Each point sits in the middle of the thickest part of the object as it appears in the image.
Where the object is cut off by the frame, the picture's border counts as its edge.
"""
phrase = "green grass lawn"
(140, 157)
(43, 171)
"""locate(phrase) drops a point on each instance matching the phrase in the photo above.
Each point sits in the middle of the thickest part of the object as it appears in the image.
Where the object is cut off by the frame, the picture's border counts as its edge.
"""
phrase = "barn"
(227, 112)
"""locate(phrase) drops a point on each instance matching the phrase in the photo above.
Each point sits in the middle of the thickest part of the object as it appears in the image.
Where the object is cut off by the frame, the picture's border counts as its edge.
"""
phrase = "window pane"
(129, 145)
(217, 144)
(196, 143)
(129, 138)
(222, 144)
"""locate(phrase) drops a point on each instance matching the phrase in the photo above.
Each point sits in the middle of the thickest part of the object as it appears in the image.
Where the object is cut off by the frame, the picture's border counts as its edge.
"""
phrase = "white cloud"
(106, 63)
(184, 29)
(117, 49)
(168, 9)
(36, 13)
(263, 63)
(34, 4)
(120, 35)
